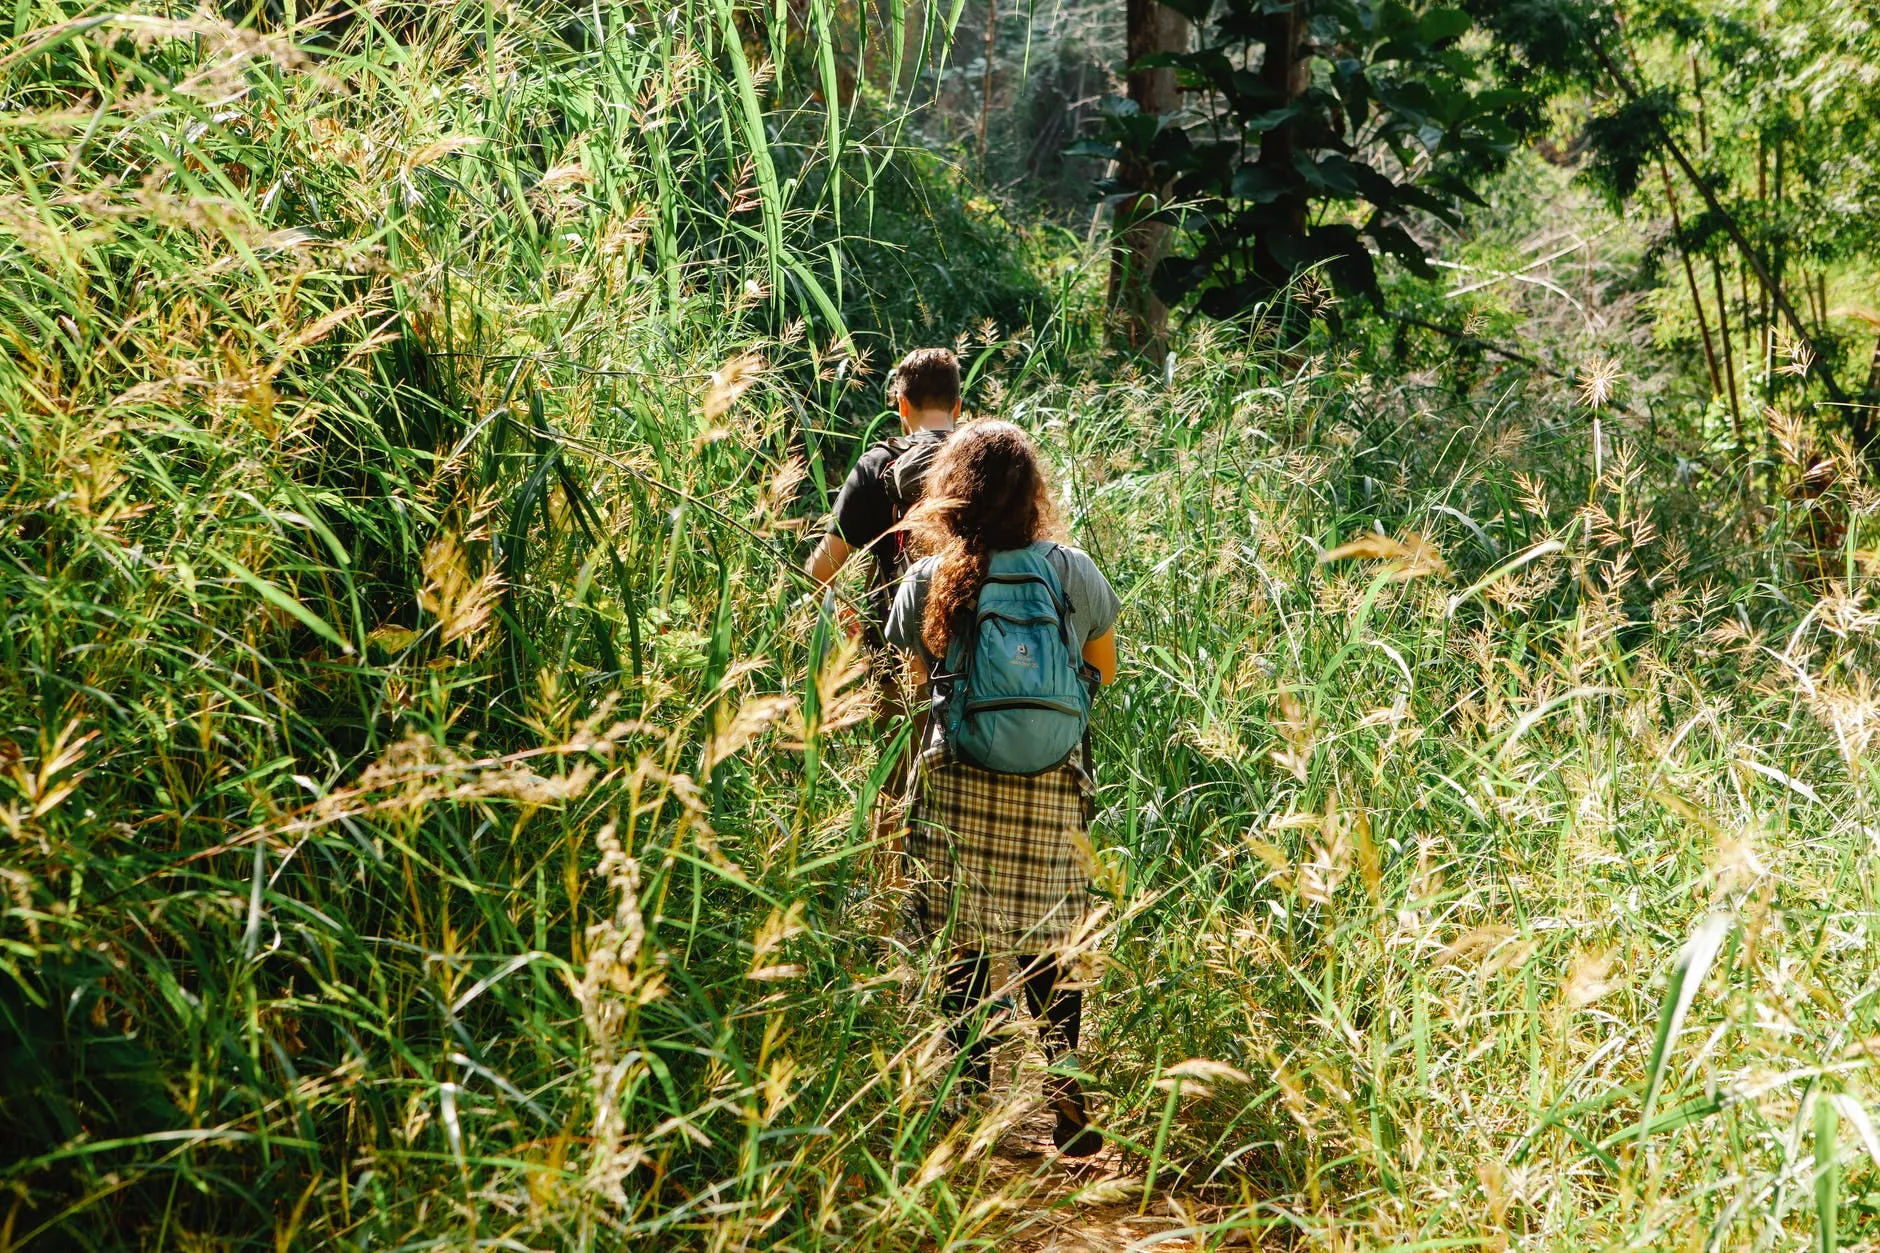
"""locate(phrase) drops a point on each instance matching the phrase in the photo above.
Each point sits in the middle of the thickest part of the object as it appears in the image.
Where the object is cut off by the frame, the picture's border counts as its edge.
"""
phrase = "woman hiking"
(1012, 631)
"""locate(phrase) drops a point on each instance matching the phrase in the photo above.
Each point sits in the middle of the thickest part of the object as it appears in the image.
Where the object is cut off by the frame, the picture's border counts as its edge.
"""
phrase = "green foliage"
(936, 260)
(1622, 142)
(1360, 120)
(355, 485)
(1761, 119)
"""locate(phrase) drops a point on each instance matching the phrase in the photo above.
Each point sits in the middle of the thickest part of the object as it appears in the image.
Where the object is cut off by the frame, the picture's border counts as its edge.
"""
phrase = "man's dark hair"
(929, 378)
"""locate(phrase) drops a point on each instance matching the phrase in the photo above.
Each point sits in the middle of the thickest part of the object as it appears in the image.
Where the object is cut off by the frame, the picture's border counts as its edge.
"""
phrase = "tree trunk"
(1284, 74)
(1139, 317)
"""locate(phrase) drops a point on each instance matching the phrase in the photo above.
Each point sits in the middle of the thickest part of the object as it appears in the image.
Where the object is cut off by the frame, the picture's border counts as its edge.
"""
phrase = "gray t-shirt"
(1093, 602)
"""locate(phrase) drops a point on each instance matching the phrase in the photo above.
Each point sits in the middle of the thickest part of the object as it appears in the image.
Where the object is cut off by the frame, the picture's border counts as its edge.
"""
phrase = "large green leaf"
(1439, 24)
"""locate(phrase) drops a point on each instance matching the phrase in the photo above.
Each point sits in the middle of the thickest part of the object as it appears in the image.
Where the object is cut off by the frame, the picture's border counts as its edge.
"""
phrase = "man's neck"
(929, 420)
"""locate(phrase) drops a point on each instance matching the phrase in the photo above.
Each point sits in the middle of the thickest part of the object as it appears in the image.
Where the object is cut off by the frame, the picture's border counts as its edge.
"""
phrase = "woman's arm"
(1101, 653)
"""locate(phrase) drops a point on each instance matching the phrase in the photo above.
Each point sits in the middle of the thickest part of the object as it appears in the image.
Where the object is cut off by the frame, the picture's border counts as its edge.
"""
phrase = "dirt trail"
(1076, 1205)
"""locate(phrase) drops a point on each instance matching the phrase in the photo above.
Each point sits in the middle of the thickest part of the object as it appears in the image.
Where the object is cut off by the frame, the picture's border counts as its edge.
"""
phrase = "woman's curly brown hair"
(985, 493)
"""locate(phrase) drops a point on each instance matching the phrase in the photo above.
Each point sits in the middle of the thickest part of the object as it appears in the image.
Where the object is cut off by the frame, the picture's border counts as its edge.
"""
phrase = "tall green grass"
(435, 815)
(1526, 882)
(389, 540)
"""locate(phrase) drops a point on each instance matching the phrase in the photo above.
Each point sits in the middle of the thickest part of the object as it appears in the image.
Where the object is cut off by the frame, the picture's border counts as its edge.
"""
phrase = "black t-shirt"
(863, 512)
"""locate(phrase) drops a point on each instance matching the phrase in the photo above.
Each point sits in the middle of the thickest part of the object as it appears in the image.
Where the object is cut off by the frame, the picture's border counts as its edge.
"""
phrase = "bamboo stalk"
(1690, 278)
(1750, 256)
(1729, 350)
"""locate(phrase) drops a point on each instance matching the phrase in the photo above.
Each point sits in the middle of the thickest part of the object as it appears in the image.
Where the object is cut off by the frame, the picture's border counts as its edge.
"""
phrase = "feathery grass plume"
(1411, 557)
(1599, 385)
(461, 602)
(1599, 382)
(729, 382)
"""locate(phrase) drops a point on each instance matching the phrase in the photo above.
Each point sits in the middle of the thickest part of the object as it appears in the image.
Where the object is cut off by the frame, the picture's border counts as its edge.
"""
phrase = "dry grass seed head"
(1599, 381)
(1851, 709)
(461, 602)
(1587, 979)
(730, 381)
(1794, 440)
(1410, 557)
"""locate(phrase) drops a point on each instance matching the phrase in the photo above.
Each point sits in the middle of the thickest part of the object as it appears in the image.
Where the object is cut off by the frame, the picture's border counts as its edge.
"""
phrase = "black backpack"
(903, 478)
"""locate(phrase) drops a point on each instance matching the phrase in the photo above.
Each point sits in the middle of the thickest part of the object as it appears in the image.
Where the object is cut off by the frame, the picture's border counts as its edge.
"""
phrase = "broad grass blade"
(281, 600)
(756, 138)
(1827, 1174)
(1851, 1109)
(1687, 975)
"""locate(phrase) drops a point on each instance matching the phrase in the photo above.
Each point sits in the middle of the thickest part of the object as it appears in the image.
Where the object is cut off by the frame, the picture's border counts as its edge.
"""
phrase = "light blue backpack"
(1014, 695)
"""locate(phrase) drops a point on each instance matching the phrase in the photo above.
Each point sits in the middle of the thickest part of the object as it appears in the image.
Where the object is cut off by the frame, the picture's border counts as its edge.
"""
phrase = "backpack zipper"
(1022, 702)
(984, 614)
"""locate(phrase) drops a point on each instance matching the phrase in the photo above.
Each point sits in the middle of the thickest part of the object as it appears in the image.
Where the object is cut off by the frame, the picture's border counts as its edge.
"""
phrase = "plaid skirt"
(999, 863)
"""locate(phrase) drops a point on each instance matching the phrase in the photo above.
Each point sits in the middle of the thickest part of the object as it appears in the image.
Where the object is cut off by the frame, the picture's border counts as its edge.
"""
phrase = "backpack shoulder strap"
(1063, 554)
(1060, 558)
(897, 447)
(913, 454)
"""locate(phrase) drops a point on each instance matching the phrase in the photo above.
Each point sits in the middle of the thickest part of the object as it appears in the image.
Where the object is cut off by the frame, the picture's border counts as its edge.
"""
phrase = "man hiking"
(874, 499)
(886, 482)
